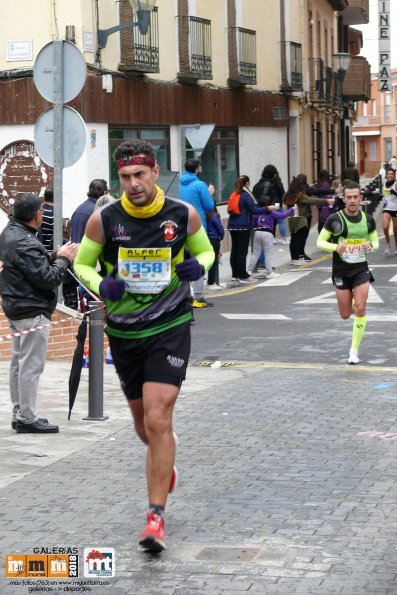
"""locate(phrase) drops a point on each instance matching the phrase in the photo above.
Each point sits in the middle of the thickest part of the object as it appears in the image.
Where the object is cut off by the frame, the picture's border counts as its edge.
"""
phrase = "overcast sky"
(370, 35)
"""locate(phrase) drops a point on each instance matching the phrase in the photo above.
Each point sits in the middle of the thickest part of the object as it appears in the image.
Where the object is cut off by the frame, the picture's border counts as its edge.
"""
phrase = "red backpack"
(233, 204)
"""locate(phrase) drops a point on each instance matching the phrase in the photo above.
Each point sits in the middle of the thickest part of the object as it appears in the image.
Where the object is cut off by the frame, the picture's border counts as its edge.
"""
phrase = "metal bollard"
(95, 370)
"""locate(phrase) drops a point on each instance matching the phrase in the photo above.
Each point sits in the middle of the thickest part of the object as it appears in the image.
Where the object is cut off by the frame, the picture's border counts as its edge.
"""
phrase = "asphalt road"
(294, 318)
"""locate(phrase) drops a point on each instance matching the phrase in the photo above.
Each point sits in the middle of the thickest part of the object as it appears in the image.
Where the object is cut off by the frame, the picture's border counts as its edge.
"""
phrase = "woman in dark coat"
(241, 207)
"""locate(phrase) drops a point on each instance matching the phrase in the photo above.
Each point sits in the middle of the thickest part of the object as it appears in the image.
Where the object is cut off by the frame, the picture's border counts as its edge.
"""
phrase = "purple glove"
(189, 270)
(111, 288)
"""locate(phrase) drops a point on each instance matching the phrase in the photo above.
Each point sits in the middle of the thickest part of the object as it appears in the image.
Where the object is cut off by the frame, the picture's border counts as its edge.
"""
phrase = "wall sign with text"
(384, 45)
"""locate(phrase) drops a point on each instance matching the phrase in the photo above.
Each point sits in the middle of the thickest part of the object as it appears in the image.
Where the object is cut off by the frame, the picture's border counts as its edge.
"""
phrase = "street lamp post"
(341, 62)
(143, 9)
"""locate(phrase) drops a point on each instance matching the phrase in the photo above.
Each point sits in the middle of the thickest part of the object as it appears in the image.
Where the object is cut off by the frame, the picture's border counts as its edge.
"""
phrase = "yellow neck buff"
(148, 210)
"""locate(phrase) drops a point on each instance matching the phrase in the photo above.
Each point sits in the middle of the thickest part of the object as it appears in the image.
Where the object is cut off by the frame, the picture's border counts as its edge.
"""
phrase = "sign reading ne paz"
(384, 46)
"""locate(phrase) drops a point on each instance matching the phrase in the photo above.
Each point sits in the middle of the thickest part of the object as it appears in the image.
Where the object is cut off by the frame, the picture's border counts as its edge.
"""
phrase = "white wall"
(260, 147)
(175, 148)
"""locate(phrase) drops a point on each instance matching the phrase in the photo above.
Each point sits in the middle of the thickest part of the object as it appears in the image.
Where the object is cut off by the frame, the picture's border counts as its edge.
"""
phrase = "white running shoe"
(272, 275)
(260, 275)
(297, 263)
(387, 249)
(247, 281)
(216, 287)
(353, 357)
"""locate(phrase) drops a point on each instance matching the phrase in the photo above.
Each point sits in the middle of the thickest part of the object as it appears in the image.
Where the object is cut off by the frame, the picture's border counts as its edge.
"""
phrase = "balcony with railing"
(195, 54)
(292, 58)
(357, 83)
(336, 99)
(317, 80)
(140, 53)
(242, 56)
(325, 87)
(367, 122)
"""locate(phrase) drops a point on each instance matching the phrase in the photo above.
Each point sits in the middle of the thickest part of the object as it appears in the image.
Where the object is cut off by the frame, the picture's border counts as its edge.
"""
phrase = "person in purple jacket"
(215, 233)
(264, 226)
(241, 207)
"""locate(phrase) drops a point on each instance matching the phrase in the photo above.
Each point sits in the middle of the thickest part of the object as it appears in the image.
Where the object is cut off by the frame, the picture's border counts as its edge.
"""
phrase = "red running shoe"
(174, 480)
(152, 537)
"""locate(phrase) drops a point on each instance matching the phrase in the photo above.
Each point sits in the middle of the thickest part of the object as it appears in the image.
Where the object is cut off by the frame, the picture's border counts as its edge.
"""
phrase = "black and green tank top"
(144, 314)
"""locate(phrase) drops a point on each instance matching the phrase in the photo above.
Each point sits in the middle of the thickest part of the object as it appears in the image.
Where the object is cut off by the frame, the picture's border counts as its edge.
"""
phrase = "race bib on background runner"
(145, 270)
(354, 251)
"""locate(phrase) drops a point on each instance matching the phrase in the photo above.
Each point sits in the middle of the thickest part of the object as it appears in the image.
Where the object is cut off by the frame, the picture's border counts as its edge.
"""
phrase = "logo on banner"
(41, 566)
(99, 562)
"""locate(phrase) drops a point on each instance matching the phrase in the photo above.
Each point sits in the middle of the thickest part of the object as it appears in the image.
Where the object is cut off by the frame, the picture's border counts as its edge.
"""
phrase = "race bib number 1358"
(145, 270)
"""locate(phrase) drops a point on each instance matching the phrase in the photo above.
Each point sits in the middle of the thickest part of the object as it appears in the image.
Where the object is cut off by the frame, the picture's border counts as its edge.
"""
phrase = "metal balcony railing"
(294, 65)
(200, 53)
(242, 67)
(329, 86)
(317, 80)
(143, 50)
(364, 121)
(337, 99)
(292, 54)
(195, 54)
(146, 47)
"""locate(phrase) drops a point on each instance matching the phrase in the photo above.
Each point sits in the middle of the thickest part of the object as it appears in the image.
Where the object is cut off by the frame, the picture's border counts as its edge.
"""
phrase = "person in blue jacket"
(241, 207)
(195, 192)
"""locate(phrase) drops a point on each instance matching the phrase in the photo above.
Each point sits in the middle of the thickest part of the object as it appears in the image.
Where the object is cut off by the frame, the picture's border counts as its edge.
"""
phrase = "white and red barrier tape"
(39, 328)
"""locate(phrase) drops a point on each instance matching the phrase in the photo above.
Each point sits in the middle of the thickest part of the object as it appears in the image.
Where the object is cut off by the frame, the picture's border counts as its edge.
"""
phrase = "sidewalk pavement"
(288, 484)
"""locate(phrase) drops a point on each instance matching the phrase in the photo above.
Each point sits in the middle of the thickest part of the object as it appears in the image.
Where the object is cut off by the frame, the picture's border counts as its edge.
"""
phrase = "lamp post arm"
(103, 34)
(143, 23)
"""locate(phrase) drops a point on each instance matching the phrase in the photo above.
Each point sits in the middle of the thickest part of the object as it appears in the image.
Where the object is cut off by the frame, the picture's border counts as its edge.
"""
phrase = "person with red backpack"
(241, 207)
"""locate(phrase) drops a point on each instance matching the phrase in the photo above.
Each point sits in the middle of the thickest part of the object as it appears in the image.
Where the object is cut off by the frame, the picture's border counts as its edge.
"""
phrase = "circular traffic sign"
(74, 71)
(73, 141)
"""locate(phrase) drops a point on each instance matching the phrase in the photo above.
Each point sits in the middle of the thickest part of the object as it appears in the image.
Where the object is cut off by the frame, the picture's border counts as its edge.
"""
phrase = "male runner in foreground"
(350, 234)
(141, 239)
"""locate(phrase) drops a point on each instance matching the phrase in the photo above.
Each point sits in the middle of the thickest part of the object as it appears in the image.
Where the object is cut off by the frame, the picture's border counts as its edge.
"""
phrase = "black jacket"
(31, 274)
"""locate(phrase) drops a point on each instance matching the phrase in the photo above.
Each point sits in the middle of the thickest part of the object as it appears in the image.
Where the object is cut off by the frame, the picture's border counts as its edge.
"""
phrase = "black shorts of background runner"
(163, 357)
(351, 282)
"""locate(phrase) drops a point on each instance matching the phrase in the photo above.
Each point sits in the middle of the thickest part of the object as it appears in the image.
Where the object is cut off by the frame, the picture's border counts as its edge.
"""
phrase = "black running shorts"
(160, 358)
(352, 282)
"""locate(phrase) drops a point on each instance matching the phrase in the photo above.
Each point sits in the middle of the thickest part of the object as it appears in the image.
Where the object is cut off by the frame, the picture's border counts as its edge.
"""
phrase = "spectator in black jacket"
(28, 288)
(265, 187)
